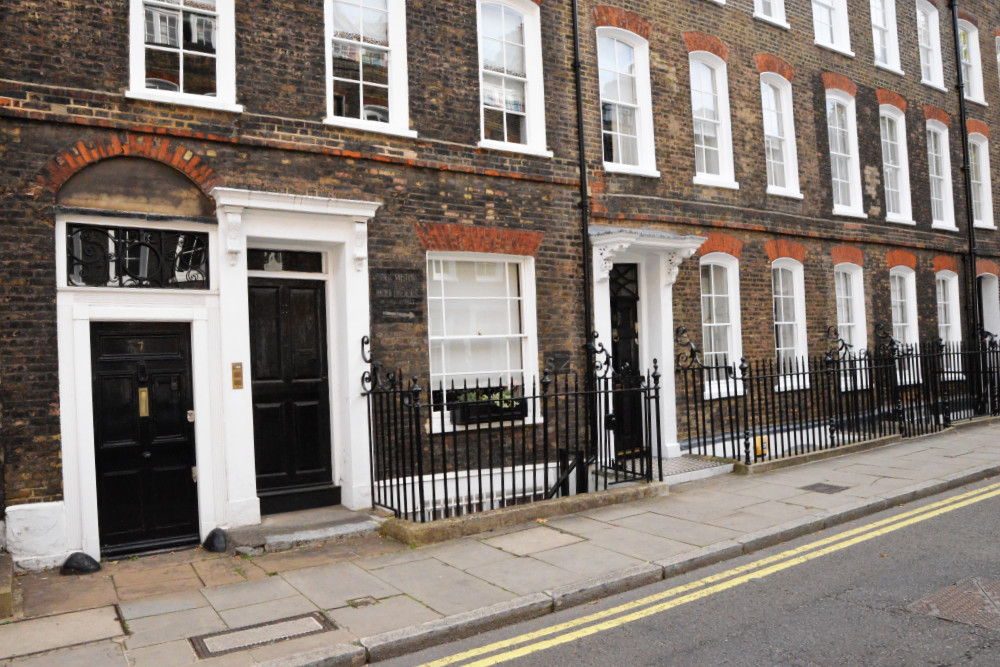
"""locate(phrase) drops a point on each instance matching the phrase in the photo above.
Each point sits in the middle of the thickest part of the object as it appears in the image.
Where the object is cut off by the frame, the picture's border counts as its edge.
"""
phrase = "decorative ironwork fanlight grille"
(135, 257)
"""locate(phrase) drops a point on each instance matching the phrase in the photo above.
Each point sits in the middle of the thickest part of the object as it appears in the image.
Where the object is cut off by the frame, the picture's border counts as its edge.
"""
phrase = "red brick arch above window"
(173, 153)
(977, 127)
(839, 82)
(768, 63)
(891, 98)
(987, 266)
(699, 41)
(452, 237)
(901, 258)
(966, 16)
(783, 248)
(934, 113)
(723, 243)
(847, 254)
(945, 263)
(615, 17)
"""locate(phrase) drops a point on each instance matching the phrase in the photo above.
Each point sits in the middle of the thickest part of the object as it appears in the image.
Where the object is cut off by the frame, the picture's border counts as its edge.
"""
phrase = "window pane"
(346, 99)
(163, 70)
(199, 75)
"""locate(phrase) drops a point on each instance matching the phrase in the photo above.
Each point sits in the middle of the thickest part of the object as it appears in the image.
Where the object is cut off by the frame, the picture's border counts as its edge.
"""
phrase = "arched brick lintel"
(723, 243)
(453, 237)
(977, 127)
(966, 16)
(934, 113)
(784, 248)
(161, 149)
(699, 41)
(901, 258)
(615, 17)
(847, 254)
(892, 99)
(769, 63)
(835, 81)
(946, 263)
(987, 266)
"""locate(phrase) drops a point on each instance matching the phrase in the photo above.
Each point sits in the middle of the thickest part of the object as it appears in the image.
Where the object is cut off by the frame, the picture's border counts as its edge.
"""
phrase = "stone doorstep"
(308, 528)
(6, 586)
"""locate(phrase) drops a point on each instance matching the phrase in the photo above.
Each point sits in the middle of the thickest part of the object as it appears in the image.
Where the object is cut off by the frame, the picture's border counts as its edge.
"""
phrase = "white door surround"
(659, 256)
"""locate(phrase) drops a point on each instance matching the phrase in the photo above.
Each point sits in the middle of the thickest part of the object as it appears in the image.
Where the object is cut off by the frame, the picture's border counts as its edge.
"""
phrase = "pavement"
(370, 598)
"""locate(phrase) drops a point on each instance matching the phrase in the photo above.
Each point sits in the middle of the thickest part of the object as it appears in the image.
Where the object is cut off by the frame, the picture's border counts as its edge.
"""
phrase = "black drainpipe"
(588, 316)
(973, 290)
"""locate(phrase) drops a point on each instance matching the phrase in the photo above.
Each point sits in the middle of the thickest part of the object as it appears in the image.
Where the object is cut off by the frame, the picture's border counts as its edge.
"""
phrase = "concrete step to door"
(291, 530)
(6, 586)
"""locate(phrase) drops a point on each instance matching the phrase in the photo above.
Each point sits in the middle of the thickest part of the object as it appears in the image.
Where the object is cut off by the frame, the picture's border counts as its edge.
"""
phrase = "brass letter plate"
(143, 401)
(237, 376)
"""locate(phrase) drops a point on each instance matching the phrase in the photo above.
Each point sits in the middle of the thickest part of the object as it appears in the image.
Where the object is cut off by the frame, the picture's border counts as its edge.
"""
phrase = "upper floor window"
(939, 173)
(929, 41)
(830, 24)
(713, 140)
(788, 293)
(845, 167)
(720, 314)
(366, 52)
(183, 51)
(850, 295)
(982, 195)
(779, 135)
(626, 103)
(772, 11)
(510, 67)
(972, 64)
(884, 34)
(895, 165)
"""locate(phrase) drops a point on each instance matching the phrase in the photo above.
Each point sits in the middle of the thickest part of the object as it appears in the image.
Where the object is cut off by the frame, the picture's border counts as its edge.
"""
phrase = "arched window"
(939, 175)
(895, 165)
(713, 135)
(788, 296)
(929, 40)
(850, 293)
(722, 342)
(781, 154)
(626, 102)
(845, 166)
(982, 185)
(903, 304)
(885, 36)
(972, 63)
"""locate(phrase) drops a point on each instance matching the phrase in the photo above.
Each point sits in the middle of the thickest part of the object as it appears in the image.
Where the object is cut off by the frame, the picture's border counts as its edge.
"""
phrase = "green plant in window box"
(476, 406)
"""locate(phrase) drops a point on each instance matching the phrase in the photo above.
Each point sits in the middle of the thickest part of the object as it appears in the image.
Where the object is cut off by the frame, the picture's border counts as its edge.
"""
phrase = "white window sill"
(977, 100)
(778, 23)
(369, 126)
(784, 192)
(953, 376)
(890, 68)
(438, 425)
(944, 227)
(718, 2)
(836, 49)
(514, 148)
(900, 220)
(984, 225)
(794, 383)
(715, 390)
(715, 182)
(183, 99)
(634, 170)
(850, 213)
(935, 85)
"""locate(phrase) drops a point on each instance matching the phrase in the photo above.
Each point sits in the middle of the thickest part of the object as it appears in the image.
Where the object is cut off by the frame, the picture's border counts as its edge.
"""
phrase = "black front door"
(624, 283)
(143, 436)
(291, 406)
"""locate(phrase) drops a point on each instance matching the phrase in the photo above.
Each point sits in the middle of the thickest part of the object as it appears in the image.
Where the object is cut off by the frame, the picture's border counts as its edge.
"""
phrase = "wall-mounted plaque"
(397, 294)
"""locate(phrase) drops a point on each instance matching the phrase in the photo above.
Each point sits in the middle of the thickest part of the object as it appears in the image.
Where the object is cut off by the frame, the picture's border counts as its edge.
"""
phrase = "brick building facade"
(278, 152)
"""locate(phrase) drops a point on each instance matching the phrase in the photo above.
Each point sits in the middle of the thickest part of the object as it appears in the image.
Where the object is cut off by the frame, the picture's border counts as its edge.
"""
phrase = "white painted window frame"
(990, 297)
(986, 195)
(905, 215)
(225, 63)
(910, 326)
(856, 276)
(891, 63)
(856, 209)
(718, 388)
(777, 18)
(950, 281)
(973, 86)
(841, 27)
(644, 100)
(785, 100)
(534, 89)
(947, 223)
(726, 177)
(934, 33)
(399, 93)
(800, 380)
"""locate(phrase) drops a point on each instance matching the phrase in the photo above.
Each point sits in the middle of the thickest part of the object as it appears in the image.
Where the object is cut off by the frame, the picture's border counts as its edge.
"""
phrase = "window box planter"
(487, 407)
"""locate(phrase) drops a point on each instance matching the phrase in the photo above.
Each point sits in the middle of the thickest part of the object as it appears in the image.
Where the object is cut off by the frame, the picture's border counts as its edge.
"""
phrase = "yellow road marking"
(718, 588)
(749, 567)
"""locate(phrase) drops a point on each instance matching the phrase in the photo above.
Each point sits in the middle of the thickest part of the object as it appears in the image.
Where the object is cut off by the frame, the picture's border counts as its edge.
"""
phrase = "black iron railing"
(768, 409)
(454, 450)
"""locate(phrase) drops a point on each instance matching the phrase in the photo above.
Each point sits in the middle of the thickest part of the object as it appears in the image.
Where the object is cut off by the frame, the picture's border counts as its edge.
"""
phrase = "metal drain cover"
(227, 641)
(972, 601)
(824, 488)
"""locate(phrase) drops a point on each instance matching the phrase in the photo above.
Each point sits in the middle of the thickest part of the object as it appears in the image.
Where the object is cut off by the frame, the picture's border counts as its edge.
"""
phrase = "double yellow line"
(585, 626)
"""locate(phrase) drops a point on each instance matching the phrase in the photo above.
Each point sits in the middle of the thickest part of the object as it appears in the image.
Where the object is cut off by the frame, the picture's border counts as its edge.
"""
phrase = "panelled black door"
(624, 283)
(291, 406)
(144, 440)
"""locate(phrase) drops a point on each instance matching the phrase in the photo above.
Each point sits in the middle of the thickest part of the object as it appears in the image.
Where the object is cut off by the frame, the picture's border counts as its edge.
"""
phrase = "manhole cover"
(824, 488)
(972, 601)
(227, 641)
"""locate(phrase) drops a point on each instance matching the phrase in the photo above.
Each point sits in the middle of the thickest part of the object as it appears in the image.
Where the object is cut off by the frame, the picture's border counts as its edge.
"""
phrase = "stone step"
(291, 530)
(6, 585)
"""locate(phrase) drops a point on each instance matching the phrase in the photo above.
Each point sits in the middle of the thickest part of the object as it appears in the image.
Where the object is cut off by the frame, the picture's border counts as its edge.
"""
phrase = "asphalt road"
(843, 602)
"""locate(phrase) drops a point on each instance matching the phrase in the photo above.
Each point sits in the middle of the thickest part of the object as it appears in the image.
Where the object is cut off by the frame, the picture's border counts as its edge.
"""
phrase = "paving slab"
(50, 593)
(587, 560)
(162, 604)
(248, 593)
(637, 544)
(301, 645)
(532, 540)
(263, 612)
(169, 654)
(392, 613)
(680, 530)
(308, 557)
(138, 583)
(332, 586)
(51, 632)
(101, 654)
(219, 572)
(523, 575)
(446, 590)
(168, 627)
(466, 553)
